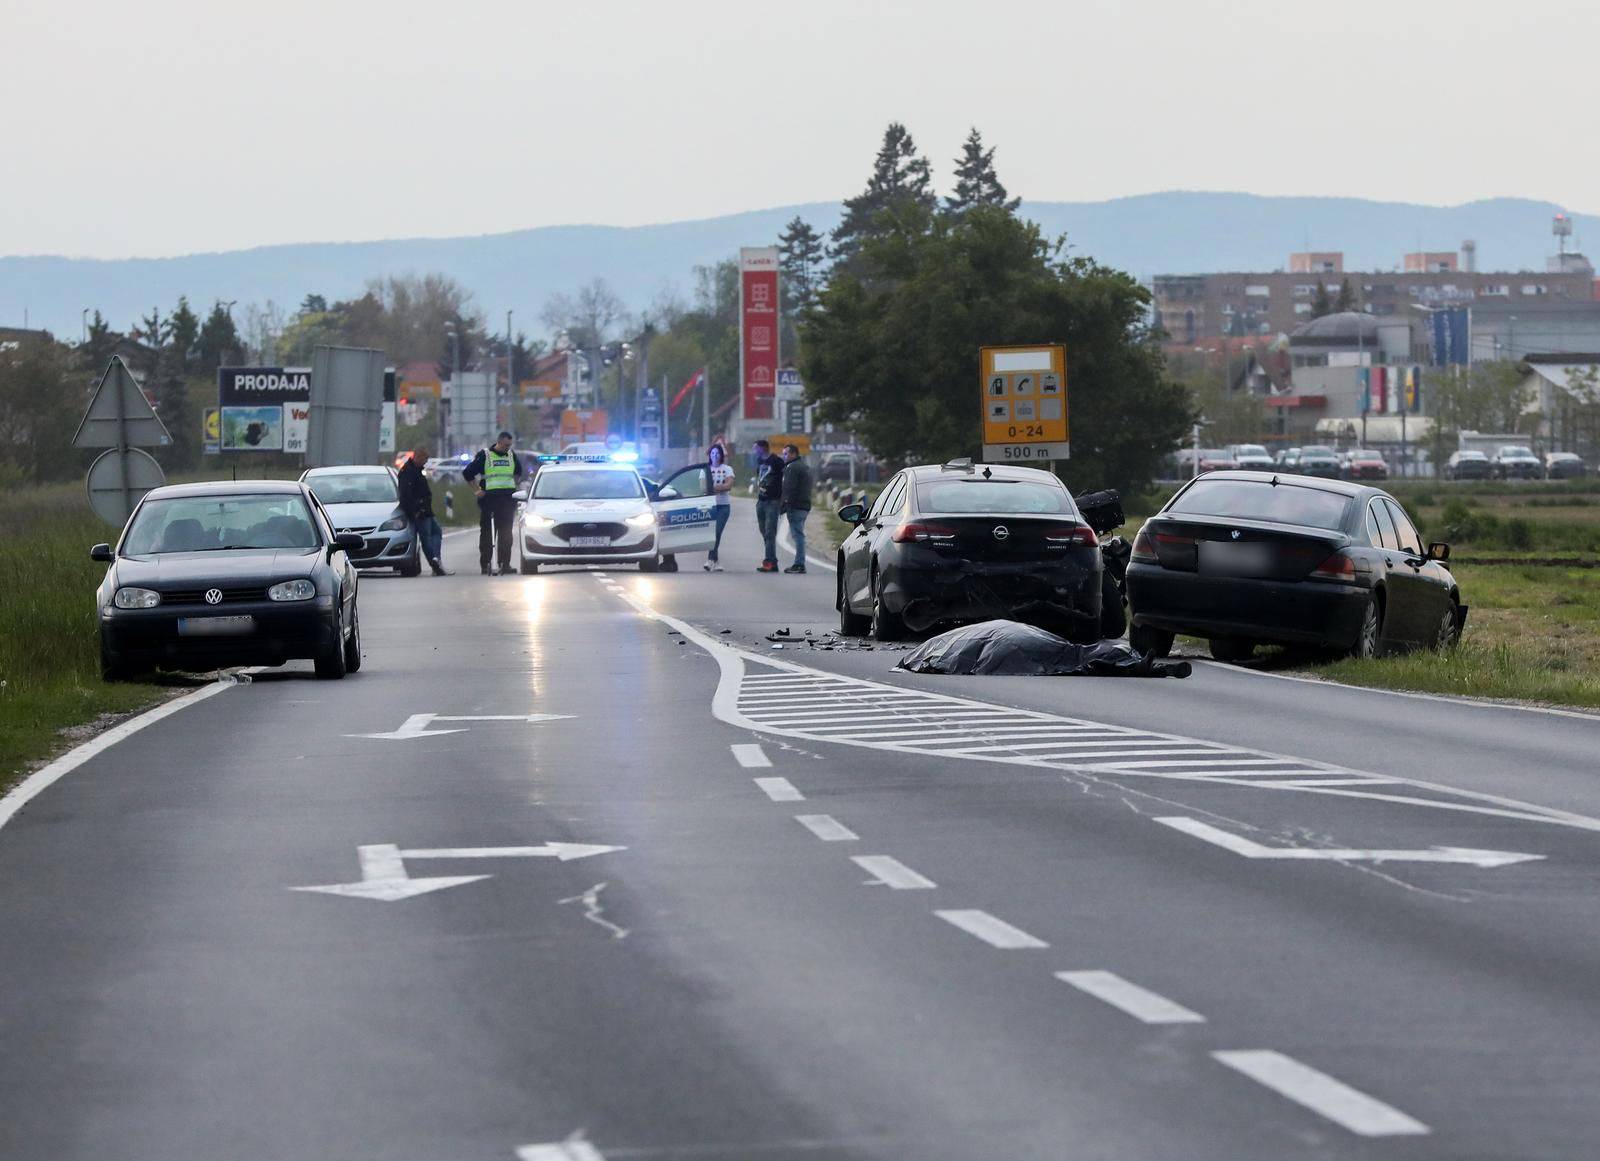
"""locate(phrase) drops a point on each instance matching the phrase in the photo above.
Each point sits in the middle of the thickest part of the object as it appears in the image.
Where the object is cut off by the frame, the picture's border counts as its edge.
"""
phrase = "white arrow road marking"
(1254, 850)
(1140, 1003)
(994, 932)
(891, 872)
(1322, 1094)
(416, 726)
(572, 1149)
(384, 878)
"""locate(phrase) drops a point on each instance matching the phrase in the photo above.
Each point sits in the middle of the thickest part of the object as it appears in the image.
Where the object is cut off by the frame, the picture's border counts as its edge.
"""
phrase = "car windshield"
(1518, 452)
(213, 523)
(353, 487)
(597, 484)
(1469, 455)
(1320, 452)
(1262, 500)
(1252, 449)
(999, 497)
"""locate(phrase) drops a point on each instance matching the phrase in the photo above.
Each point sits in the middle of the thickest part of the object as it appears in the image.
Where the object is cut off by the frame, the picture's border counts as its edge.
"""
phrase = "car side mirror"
(1439, 551)
(520, 495)
(668, 493)
(853, 513)
(349, 541)
(102, 553)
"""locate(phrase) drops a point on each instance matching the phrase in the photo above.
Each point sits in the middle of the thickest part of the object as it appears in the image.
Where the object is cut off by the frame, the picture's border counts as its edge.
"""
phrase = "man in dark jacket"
(769, 500)
(495, 473)
(416, 501)
(796, 502)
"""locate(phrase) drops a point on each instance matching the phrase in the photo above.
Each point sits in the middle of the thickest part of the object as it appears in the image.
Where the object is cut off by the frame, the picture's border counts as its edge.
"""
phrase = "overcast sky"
(170, 126)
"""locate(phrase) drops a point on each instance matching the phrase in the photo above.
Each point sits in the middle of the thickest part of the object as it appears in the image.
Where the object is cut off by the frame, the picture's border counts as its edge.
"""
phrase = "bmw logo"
(1001, 532)
(213, 596)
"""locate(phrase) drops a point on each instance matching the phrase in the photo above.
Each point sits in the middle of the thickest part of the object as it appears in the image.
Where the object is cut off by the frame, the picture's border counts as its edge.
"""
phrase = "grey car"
(365, 499)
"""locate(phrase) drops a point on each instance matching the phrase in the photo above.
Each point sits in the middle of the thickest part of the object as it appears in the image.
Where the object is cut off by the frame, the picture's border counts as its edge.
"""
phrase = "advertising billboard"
(758, 331)
(245, 396)
(1452, 329)
(1023, 393)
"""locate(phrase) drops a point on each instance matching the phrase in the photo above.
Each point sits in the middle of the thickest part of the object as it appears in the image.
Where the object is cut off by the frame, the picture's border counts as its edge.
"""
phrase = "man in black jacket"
(416, 501)
(495, 473)
(769, 500)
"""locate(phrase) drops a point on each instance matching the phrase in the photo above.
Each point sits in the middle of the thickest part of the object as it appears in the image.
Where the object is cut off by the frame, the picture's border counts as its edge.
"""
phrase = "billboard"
(252, 428)
(346, 406)
(246, 394)
(1451, 332)
(1023, 394)
(758, 331)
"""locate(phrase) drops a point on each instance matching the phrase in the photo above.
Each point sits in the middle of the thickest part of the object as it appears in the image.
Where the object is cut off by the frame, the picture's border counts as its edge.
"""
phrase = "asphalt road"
(745, 902)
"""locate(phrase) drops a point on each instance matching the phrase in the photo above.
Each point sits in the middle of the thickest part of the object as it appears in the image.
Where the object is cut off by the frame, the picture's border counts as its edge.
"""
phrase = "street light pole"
(455, 385)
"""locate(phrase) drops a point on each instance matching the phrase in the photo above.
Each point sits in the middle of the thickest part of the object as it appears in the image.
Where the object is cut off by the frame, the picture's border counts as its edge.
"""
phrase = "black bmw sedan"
(1248, 558)
(962, 543)
(242, 573)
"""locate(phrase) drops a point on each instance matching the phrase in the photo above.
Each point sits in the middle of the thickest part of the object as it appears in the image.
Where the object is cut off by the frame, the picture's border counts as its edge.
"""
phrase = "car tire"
(413, 564)
(111, 667)
(352, 645)
(652, 565)
(850, 624)
(525, 566)
(1151, 642)
(1448, 634)
(331, 664)
(1113, 617)
(885, 625)
(1369, 638)
(1231, 649)
(669, 563)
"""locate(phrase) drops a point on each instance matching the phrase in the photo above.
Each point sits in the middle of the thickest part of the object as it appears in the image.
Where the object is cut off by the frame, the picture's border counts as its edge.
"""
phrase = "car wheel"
(413, 564)
(525, 566)
(669, 563)
(352, 645)
(1231, 649)
(652, 565)
(885, 625)
(111, 668)
(1151, 642)
(1113, 618)
(850, 624)
(331, 664)
(1449, 632)
(1369, 638)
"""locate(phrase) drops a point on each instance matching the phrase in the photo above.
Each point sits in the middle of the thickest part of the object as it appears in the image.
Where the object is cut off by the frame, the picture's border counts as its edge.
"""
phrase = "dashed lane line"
(750, 755)
(891, 872)
(994, 932)
(780, 790)
(827, 828)
(1140, 1003)
(1350, 1108)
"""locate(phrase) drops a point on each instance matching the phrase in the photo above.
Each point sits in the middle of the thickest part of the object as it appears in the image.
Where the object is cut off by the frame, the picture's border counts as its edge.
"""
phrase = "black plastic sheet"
(1011, 648)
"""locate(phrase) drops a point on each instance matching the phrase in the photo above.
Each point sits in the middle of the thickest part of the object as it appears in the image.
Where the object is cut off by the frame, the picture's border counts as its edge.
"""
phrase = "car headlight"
(393, 524)
(536, 521)
(131, 598)
(642, 520)
(295, 590)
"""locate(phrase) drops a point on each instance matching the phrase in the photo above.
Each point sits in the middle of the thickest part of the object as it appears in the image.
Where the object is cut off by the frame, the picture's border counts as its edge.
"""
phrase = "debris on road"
(1014, 649)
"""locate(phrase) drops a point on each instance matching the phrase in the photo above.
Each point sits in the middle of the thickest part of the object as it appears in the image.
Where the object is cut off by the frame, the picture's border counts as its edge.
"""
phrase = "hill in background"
(1176, 232)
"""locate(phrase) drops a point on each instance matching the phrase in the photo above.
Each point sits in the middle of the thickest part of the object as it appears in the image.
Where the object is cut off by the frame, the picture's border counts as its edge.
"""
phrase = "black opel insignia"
(959, 543)
(1248, 558)
(243, 573)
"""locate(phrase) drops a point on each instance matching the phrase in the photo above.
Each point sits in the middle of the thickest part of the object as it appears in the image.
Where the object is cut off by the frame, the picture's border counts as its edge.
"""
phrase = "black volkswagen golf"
(960, 543)
(243, 573)
(1248, 558)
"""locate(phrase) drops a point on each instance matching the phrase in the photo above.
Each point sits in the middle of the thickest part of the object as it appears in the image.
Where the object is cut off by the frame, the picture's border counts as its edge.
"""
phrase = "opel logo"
(1001, 532)
(213, 596)
(1235, 534)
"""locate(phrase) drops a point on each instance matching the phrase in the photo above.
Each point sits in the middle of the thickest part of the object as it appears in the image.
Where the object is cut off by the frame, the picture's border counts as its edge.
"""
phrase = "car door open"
(686, 511)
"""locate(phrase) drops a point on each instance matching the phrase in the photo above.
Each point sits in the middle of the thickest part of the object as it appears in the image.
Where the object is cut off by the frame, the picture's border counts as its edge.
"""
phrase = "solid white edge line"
(786, 542)
(1363, 1115)
(1140, 1003)
(890, 872)
(827, 828)
(42, 779)
(994, 932)
(750, 755)
(779, 790)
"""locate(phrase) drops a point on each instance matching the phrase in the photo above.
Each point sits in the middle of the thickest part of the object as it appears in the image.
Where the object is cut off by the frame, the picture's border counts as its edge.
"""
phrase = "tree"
(589, 317)
(801, 254)
(976, 181)
(218, 342)
(313, 304)
(1487, 397)
(183, 331)
(900, 179)
(100, 345)
(1322, 304)
(892, 348)
(1347, 297)
(41, 399)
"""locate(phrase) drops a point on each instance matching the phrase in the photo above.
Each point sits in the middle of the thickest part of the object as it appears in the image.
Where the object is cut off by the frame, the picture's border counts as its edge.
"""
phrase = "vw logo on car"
(213, 596)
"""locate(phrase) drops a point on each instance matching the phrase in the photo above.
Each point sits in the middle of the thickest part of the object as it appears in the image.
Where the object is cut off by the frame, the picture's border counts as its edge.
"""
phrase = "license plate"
(590, 542)
(1220, 558)
(215, 626)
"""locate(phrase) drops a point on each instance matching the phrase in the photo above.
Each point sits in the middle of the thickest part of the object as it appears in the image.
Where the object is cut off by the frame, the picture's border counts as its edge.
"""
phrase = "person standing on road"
(721, 485)
(796, 502)
(494, 474)
(769, 498)
(416, 501)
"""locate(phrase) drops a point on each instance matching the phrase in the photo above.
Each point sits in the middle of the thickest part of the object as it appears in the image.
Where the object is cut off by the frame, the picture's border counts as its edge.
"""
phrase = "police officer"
(494, 474)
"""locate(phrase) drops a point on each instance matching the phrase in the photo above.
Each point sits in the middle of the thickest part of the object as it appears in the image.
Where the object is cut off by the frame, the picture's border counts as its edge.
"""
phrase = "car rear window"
(353, 487)
(997, 497)
(586, 484)
(1262, 500)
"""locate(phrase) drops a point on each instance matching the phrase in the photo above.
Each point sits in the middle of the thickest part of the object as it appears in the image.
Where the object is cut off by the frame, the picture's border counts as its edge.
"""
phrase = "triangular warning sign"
(119, 414)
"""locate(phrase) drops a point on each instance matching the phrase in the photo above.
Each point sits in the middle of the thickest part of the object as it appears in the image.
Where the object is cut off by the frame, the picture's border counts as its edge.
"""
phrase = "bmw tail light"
(1144, 549)
(1070, 536)
(933, 535)
(1338, 567)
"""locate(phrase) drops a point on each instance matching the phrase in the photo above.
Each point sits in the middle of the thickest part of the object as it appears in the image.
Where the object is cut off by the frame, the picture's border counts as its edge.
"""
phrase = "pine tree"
(1322, 304)
(976, 181)
(183, 331)
(801, 254)
(899, 178)
(218, 342)
(314, 304)
(1347, 297)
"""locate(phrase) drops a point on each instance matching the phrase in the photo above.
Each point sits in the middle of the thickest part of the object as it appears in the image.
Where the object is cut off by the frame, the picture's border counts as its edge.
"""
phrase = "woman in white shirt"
(721, 485)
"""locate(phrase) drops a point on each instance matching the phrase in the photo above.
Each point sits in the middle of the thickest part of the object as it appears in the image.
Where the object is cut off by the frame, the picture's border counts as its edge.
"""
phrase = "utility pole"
(705, 411)
(445, 444)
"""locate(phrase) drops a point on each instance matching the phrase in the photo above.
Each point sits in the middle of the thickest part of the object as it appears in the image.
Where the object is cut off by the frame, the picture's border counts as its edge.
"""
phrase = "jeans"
(723, 511)
(430, 536)
(495, 516)
(767, 521)
(797, 529)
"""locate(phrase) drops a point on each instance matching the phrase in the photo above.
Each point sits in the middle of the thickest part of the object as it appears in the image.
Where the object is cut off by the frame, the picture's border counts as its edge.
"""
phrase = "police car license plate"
(215, 626)
(590, 542)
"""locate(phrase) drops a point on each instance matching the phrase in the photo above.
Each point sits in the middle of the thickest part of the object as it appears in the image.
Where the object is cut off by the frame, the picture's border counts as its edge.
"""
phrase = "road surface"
(579, 866)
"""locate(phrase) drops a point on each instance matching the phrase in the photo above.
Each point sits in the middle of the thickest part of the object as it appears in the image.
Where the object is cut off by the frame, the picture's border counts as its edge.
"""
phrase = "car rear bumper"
(1285, 612)
(966, 591)
(280, 632)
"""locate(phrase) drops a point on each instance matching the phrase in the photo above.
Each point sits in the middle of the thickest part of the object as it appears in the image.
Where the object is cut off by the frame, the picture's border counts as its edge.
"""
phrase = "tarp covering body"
(1014, 649)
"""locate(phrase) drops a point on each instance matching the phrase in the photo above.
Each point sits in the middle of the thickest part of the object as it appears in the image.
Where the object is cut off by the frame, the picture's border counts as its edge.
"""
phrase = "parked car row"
(1514, 462)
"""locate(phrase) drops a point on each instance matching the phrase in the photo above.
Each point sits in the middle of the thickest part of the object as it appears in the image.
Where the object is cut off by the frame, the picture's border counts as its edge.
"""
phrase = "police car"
(595, 510)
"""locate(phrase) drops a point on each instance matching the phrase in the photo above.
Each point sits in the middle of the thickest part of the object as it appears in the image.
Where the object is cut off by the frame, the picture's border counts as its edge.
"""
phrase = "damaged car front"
(954, 544)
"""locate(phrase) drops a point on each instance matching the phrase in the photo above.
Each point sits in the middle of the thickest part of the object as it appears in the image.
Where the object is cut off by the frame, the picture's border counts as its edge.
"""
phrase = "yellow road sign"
(214, 423)
(1024, 399)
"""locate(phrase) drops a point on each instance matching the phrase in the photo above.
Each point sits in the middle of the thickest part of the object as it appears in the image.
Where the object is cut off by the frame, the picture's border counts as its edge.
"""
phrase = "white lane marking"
(750, 755)
(416, 726)
(994, 932)
(827, 828)
(1140, 1003)
(594, 911)
(780, 790)
(1354, 1110)
(384, 878)
(42, 779)
(1240, 845)
(786, 542)
(891, 872)
(574, 1148)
